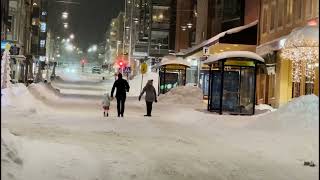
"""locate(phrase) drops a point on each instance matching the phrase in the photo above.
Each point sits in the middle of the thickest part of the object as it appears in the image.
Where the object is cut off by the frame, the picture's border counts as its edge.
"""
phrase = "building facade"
(277, 18)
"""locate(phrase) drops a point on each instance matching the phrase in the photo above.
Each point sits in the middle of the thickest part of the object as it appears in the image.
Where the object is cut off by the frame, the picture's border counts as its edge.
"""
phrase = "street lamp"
(69, 47)
(72, 36)
(65, 15)
(94, 48)
(65, 25)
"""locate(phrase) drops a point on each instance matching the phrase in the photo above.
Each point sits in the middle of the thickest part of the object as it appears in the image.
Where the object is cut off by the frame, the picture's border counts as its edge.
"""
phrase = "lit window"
(42, 43)
(43, 27)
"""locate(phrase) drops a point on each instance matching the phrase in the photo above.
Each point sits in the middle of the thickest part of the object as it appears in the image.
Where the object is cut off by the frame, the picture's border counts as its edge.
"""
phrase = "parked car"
(96, 70)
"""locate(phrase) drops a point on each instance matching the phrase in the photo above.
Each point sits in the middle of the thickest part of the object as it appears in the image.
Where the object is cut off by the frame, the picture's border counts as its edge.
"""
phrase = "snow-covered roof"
(20, 57)
(170, 59)
(217, 37)
(307, 36)
(271, 46)
(233, 54)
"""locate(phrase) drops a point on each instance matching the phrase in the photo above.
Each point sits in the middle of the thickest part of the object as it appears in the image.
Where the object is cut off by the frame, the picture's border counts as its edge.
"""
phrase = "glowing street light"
(65, 25)
(94, 48)
(68, 40)
(72, 36)
(69, 47)
(65, 15)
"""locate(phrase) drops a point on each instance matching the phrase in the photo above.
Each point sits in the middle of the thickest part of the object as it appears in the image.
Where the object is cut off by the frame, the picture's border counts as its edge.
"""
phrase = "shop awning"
(233, 54)
(246, 34)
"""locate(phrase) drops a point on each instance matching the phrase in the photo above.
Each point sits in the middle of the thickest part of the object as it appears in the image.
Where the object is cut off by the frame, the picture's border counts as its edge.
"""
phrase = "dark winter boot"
(107, 114)
(104, 114)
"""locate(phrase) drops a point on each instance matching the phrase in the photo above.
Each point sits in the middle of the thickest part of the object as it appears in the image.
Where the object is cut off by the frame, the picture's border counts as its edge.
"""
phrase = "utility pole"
(124, 26)
(130, 45)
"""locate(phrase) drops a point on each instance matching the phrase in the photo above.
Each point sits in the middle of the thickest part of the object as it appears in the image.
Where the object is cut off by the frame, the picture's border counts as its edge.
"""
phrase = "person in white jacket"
(106, 104)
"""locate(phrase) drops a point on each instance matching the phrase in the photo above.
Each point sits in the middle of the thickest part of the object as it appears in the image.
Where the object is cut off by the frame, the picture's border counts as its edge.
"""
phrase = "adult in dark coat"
(122, 87)
(151, 96)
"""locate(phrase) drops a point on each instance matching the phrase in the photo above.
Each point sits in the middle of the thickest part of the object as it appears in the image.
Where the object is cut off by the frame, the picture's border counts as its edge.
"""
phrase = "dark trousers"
(149, 107)
(120, 104)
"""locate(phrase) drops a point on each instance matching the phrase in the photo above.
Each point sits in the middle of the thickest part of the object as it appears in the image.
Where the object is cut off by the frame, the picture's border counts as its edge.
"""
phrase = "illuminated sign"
(239, 63)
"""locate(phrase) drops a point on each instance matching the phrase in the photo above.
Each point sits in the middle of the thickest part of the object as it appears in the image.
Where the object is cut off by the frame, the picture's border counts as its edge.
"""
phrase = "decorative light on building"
(302, 48)
(184, 28)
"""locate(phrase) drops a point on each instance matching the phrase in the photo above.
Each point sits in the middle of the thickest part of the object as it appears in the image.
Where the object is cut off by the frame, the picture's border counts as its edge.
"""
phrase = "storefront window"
(246, 93)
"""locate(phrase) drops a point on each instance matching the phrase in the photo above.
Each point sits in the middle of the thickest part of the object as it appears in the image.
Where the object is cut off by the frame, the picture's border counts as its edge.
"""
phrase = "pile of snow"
(300, 114)
(264, 107)
(11, 162)
(18, 96)
(135, 83)
(44, 91)
(23, 158)
(182, 95)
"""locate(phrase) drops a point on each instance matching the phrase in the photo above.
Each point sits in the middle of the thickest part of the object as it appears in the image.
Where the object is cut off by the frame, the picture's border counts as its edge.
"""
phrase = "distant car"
(96, 70)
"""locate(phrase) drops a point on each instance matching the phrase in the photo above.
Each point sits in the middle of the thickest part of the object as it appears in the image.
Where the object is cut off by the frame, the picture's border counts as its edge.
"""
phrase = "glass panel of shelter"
(238, 89)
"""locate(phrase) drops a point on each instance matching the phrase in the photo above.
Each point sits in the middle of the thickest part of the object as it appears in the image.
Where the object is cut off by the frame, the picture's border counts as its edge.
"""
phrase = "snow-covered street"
(53, 135)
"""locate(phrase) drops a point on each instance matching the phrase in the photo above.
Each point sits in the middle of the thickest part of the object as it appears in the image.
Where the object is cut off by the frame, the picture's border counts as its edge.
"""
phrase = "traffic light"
(121, 64)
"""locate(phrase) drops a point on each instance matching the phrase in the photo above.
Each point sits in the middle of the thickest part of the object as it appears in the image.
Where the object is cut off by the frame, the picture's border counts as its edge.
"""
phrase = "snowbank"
(182, 95)
(11, 162)
(135, 83)
(18, 96)
(23, 158)
(44, 91)
(300, 114)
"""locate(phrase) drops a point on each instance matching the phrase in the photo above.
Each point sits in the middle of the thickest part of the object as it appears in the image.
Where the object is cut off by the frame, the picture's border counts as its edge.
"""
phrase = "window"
(43, 27)
(298, 10)
(265, 19)
(289, 12)
(280, 12)
(272, 85)
(42, 43)
(308, 9)
(160, 14)
(273, 15)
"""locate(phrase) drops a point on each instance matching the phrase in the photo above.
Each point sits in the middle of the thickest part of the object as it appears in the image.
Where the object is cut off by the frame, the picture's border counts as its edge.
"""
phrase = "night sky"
(88, 21)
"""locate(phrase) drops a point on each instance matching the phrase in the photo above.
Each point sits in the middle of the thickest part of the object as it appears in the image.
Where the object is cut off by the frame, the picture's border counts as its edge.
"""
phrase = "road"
(64, 136)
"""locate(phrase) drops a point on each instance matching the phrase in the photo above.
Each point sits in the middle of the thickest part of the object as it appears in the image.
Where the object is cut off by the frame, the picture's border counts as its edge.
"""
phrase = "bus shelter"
(232, 82)
(172, 73)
